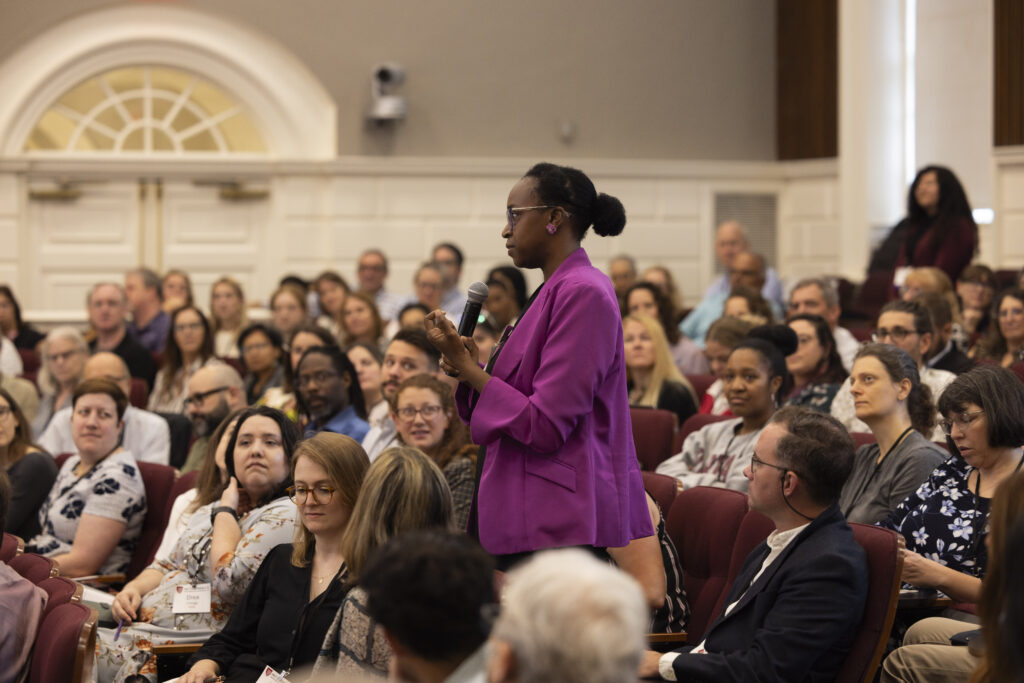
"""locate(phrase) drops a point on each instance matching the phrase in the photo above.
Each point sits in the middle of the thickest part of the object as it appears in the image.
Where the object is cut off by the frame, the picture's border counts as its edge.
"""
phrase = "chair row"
(714, 531)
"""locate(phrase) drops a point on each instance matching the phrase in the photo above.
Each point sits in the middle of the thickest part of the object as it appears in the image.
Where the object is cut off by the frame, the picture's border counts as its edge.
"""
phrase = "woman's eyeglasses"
(961, 420)
(408, 413)
(300, 494)
(512, 213)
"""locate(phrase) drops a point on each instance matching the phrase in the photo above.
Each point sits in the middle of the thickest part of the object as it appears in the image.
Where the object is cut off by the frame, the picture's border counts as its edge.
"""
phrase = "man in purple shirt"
(149, 323)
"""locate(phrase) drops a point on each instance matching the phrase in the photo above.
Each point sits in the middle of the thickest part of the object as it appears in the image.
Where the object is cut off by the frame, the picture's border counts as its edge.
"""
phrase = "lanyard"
(308, 610)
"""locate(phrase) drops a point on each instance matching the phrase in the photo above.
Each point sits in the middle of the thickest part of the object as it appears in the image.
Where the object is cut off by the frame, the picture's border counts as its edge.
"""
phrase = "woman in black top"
(654, 379)
(284, 614)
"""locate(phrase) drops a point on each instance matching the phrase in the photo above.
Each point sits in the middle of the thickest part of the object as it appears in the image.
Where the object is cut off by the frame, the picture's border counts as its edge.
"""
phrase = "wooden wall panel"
(1009, 72)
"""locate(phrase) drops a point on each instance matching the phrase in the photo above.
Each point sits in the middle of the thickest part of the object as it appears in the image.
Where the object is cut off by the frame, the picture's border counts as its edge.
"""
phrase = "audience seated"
(410, 316)
(12, 326)
(262, 352)
(653, 379)
(408, 354)
(944, 522)
(428, 286)
(150, 325)
(214, 391)
(816, 367)
(361, 321)
(23, 392)
(745, 268)
(368, 361)
(63, 353)
(266, 628)
(819, 296)
(22, 605)
(622, 272)
(976, 288)
(423, 410)
(756, 382)
(331, 294)
(403, 491)
(907, 325)
(304, 336)
(146, 435)
(288, 308)
(438, 579)
(189, 346)
(891, 400)
(515, 285)
(220, 549)
(329, 394)
(661, 277)
(743, 300)
(567, 616)
(10, 359)
(107, 306)
(177, 290)
(227, 316)
(723, 336)
(945, 353)
(31, 470)
(502, 306)
(646, 298)
(793, 610)
(94, 511)
(485, 337)
(448, 258)
(928, 655)
(1004, 342)
(371, 273)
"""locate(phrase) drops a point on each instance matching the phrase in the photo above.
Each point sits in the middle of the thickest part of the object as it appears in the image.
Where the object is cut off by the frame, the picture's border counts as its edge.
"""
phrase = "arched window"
(149, 110)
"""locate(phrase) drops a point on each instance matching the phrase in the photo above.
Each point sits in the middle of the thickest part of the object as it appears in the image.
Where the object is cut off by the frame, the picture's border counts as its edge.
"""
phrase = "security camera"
(386, 107)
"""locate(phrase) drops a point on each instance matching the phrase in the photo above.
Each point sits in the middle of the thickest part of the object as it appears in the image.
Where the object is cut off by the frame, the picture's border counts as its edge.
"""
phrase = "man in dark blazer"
(795, 607)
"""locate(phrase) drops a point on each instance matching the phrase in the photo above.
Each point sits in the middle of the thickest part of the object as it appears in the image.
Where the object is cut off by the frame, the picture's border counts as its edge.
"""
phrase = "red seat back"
(11, 547)
(700, 384)
(692, 424)
(65, 645)
(703, 524)
(30, 361)
(662, 489)
(33, 567)
(754, 528)
(885, 564)
(139, 393)
(862, 438)
(159, 481)
(653, 433)
(60, 590)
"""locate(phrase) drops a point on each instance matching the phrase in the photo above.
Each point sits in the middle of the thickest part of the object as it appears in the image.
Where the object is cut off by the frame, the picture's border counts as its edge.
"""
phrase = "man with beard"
(328, 393)
(214, 391)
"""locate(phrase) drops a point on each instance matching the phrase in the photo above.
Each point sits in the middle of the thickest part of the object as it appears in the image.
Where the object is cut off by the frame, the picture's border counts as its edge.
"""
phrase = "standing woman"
(551, 410)
(227, 315)
(816, 366)
(939, 228)
(189, 347)
(64, 353)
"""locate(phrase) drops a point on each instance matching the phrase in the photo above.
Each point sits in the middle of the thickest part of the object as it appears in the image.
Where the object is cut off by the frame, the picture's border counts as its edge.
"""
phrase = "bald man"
(214, 392)
(146, 435)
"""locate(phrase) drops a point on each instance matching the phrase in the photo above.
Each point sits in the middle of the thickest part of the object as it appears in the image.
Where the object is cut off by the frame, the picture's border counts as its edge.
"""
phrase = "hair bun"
(781, 337)
(609, 215)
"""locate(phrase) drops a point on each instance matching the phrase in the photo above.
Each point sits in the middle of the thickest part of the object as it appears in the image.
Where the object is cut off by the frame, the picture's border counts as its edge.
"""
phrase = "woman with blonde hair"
(653, 378)
(403, 490)
(64, 353)
(227, 316)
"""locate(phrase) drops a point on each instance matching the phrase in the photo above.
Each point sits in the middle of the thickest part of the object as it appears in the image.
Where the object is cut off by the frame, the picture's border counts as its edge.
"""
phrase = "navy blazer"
(798, 621)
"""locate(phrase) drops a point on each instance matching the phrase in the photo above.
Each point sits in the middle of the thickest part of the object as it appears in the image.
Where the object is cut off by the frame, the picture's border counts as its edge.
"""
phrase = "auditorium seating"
(692, 424)
(60, 590)
(65, 645)
(653, 434)
(700, 384)
(662, 489)
(10, 547)
(33, 567)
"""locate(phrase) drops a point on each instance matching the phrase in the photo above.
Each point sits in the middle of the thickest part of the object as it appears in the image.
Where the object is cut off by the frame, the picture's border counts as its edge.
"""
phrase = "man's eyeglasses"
(897, 334)
(200, 398)
(320, 378)
(961, 420)
(756, 462)
(512, 213)
(322, 495)
(408, 413)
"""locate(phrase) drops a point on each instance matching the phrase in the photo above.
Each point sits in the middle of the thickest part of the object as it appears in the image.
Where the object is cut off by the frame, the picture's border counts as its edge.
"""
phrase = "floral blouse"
(112, 489)
(944, 520)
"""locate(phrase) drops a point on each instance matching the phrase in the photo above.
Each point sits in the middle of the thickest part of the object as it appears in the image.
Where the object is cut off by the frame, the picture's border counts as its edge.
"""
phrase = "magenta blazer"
(560, 466)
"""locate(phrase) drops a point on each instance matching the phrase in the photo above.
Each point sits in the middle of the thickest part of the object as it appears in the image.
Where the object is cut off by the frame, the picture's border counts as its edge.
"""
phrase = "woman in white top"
(227, 316)
(189, 347)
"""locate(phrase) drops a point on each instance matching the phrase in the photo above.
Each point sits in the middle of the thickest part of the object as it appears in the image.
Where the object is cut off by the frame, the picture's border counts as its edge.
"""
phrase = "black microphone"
(475, 298)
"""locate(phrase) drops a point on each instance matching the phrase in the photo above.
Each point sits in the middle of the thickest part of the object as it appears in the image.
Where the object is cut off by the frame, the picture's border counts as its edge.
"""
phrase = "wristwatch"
(222, 508)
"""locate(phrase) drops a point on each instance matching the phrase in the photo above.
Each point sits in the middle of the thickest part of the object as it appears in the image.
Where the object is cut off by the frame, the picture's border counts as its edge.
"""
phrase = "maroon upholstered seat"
(662, 489)
(885, 564)
(65, 645)
(692, 424)
(862, 438)
(139, 393)
(59, 591)
(159, 481)
(754, 528)
(30, 361)
(700, 384)
(11, 547)
(34, 567)
(703, 524)
(653, 433)
(183, 483)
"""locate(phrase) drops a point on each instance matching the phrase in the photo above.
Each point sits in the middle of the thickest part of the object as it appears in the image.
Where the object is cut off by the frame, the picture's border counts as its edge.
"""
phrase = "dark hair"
(999, 393)
(428, 589)
(7, 292)
(22, 434)
(774, 343)
(938, 307)
(953, 206)
(271, 333)
(900, 366)
(572, 190)
(978, 272)
(414, 336)
(729, 331)
(818, 449)
(757, 304)
(922, 318)
(831, 370)
(452, 248)
(666, 312)
(101, 385)
(308, 327)
(293, 280)
(209, 485)
(993, 345)
(371, 349)
(329, 276)
(455, 442)
(289, 438)
(173, 360)
(515, 278)
(414, 306)
(343, 366)
(5, 497)
(378, 322)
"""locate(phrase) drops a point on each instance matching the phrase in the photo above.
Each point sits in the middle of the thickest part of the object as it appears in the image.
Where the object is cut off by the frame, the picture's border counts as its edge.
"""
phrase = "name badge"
(189, 599)
(271, 676)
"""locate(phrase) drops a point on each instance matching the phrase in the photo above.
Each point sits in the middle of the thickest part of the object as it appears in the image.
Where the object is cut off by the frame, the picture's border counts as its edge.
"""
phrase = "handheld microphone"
(475, 298)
